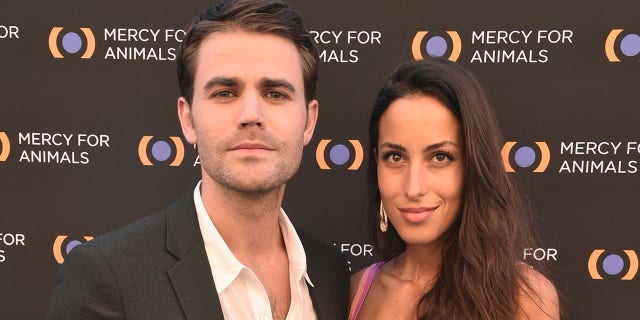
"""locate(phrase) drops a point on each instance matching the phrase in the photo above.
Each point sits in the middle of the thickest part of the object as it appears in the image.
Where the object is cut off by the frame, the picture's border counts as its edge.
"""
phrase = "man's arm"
(85, 288)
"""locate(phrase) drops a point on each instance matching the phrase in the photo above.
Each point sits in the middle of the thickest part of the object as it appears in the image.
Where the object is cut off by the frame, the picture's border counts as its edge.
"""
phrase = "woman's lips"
(416, 214)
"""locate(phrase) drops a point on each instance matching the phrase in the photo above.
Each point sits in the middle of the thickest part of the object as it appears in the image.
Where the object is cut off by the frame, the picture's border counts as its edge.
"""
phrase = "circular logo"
(630, 45)
(436, 46)
(534, 157)
(62, 245)
(161, 150)
(72, 244)
(339, 154)
(71, 42)
(525, 157)
(613, 264)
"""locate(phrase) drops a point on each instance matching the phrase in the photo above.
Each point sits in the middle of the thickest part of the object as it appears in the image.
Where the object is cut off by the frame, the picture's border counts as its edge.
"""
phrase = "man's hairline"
(238, 29)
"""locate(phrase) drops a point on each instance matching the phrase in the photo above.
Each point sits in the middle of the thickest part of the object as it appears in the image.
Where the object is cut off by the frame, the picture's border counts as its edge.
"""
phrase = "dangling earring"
(384, 223)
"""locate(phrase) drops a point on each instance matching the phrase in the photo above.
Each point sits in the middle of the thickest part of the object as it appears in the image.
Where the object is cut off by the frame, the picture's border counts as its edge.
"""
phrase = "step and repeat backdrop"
(90, 141)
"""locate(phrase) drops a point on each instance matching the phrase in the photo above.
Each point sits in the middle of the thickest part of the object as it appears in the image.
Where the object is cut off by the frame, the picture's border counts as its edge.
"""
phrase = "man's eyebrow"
(277, 83)
(221, 81)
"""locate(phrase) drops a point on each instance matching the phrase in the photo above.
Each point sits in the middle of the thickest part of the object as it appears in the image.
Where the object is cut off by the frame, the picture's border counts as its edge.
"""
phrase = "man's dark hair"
(258, 16)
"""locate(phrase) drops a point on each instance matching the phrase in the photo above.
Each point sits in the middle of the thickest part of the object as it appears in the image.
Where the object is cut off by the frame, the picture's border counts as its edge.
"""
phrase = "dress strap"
(363, 289)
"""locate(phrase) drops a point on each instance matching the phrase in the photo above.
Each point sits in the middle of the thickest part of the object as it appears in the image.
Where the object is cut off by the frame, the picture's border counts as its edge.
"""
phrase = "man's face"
(248, 114)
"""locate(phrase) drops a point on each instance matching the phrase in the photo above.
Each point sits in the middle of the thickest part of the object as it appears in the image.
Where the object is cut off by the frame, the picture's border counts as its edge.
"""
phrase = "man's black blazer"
(157, 268)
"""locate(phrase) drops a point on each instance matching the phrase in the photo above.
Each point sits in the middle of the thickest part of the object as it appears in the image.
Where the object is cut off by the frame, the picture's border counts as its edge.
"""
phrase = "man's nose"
(251, 113)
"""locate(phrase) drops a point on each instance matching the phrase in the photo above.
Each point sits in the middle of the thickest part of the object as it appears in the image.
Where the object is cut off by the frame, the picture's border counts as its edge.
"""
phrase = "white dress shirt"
(241, 294)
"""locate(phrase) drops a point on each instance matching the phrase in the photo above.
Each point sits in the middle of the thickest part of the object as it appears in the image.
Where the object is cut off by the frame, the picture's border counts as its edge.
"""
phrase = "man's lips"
(251, 146)
(251, 149)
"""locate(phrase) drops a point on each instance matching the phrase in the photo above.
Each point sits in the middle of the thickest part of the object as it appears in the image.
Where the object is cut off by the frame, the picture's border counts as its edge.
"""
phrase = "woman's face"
(420, 161)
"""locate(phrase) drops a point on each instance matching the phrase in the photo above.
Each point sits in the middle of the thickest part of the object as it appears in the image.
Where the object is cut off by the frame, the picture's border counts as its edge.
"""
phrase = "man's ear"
(312, 119)
(186, 121)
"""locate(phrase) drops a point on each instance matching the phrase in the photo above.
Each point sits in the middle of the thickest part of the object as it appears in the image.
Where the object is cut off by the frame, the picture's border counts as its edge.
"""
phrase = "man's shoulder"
(110, 273)
(138, 236)
(139, 230)
(132, 241)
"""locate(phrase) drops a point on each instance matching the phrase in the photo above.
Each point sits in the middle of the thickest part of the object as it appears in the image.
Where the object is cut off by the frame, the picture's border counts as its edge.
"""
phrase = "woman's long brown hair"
(478, 277)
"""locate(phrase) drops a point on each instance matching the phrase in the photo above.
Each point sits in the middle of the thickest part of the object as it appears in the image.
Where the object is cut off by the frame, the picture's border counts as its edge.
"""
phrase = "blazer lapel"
(329, 273)
(323, 301)
(191, 275)
(324, 308)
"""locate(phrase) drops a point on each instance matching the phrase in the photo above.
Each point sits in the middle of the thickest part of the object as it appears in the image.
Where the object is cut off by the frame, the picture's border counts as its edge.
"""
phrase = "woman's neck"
(419, 264)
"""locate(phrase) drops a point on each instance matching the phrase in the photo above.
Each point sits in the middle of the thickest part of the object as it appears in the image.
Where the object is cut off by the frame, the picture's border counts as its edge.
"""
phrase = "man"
(247, 72)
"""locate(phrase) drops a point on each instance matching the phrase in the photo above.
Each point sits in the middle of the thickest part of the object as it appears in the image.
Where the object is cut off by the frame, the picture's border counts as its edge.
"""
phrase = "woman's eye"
(441, 157)
(393, 157)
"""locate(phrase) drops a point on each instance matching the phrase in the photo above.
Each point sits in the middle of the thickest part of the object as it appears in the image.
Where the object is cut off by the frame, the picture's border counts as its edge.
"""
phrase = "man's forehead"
(248, 57)
(243, 43)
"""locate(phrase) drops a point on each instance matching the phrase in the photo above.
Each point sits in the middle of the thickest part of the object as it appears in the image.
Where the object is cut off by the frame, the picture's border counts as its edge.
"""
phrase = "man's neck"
(248, 222)
(249, 225)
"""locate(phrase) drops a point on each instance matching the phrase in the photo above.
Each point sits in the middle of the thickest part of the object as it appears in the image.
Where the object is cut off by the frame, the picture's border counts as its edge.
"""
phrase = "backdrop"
(90, 141)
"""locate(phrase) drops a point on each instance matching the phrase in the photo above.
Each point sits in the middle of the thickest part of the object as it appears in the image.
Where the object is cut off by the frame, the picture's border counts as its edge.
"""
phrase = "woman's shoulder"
(538, 296)
(360, 276)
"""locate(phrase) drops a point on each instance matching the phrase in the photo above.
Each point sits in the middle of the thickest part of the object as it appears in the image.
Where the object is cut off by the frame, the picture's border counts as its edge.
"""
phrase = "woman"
(447, 219)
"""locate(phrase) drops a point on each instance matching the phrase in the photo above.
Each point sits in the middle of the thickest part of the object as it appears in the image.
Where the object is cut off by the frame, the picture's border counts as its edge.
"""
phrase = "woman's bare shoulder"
(538, 297)
(355, 282)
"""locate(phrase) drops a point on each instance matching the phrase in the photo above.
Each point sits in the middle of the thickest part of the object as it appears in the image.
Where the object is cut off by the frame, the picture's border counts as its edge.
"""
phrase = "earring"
(384, 223)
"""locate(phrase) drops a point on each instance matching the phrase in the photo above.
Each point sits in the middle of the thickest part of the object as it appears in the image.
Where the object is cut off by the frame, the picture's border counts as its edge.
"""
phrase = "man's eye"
(276, 95)
(223, 94)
